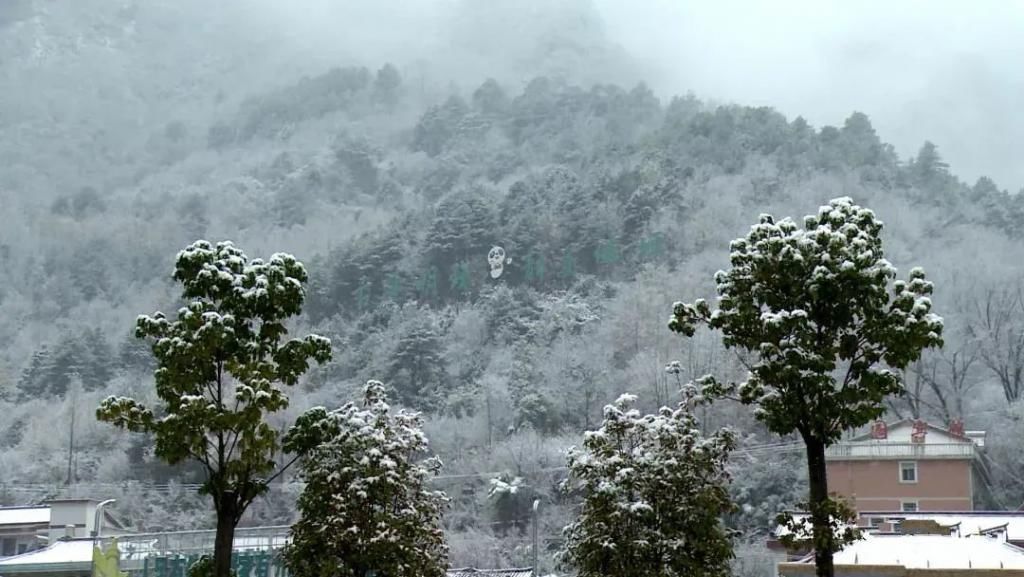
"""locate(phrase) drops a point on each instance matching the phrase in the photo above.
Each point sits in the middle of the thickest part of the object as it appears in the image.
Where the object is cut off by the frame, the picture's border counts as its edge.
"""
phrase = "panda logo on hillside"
(497, 259)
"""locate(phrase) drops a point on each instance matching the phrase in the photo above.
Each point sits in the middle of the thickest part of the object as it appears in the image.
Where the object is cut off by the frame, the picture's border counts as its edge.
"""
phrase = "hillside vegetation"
(608, 202)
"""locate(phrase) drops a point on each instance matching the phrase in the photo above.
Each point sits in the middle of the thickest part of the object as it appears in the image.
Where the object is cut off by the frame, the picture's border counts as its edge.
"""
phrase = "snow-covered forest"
(392, 175)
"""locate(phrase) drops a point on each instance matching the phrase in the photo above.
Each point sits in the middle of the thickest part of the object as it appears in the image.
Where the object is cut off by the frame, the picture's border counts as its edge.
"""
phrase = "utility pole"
(71, 443)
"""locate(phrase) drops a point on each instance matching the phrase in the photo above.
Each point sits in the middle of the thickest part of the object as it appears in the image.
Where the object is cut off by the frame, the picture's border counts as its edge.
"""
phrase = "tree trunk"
(816, 474)
(224, 543)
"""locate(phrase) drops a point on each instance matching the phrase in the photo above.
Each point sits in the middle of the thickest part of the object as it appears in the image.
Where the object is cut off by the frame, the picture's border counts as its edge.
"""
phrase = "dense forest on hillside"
(608, 204)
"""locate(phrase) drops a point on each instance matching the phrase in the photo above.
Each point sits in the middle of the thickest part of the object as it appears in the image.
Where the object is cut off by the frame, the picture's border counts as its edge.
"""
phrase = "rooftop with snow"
(920, 552)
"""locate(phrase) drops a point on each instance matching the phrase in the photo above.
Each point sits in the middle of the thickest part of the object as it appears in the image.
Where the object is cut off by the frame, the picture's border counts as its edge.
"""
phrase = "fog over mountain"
(942, 71)
(611, 150)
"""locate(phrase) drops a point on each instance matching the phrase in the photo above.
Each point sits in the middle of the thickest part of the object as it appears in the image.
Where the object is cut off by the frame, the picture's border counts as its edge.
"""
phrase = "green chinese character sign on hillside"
(426, 285)
(535, 268)
(393, 287)
(607, 252)
(568, 267)
(459, 278)
(363, 294)
(652, 247)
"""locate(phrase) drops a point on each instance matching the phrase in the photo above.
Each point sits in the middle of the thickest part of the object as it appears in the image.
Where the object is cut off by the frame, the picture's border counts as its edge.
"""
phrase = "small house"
(907, 466)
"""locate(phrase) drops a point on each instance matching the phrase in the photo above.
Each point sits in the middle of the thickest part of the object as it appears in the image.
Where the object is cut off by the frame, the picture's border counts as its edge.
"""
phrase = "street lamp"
(97, 522)
(536, 505)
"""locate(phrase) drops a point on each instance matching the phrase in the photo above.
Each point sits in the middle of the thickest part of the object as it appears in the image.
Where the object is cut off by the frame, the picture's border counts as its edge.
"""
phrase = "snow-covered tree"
(512, 499)
(654, 494)
(812, 309)
(366, 508)
(219, 367)
(416, 368)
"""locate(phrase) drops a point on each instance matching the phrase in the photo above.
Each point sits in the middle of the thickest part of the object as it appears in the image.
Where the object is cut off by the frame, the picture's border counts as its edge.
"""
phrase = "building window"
(908, 506)
(908, 472)
(875, 522)
(22, 547)
(9, 546)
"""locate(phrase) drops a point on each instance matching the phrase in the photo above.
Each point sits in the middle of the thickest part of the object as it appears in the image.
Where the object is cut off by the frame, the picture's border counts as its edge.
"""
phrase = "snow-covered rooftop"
(74, 551)
(901, 431)
(24, 516)
(898, 443)
(970, 522)
(470, 572)
(930, 552)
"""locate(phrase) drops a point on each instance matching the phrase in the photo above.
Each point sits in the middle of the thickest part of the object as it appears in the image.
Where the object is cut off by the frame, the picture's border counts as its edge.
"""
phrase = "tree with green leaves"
(654, 495)
(387, 86)
(366, 508)
(416, 369)
(824, 331)
(928, 164)
(219, 370)
(440, 126)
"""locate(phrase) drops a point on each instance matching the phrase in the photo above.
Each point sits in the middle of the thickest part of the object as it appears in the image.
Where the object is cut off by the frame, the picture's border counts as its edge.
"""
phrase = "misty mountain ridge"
(393, 183)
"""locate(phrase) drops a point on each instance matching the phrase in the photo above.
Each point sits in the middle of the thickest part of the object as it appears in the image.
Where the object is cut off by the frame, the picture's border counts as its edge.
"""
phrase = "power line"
(777, 447)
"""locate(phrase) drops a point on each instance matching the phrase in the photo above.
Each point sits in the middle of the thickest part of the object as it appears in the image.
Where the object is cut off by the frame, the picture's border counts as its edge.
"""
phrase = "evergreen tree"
(7, 385)
(439, 126)
(291, 203)
(512, 501)
(996, 206)
(654, 493)
(859, 141)
(366, 508)
(813, 309)
(38, 375)
(532, 406)
(928, 165)
(219, 366)
(462, 231)
(193, 214)
(135, 355)
(86, 356)
(386, 86)
(583, 234)
(97, 359)
(512, 313)
(490, 98)
(528, 226)
(88, 266)
(417, 369)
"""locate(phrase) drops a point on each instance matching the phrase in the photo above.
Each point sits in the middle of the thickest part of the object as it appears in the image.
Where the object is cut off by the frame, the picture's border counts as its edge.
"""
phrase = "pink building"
(906, 466)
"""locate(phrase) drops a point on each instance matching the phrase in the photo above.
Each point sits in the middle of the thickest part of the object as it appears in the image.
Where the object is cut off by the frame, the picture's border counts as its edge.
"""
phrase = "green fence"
(244, 563)
(256, 552)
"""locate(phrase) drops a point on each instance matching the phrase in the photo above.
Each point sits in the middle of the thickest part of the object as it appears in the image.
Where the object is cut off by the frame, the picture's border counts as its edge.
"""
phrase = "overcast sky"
(947, 71)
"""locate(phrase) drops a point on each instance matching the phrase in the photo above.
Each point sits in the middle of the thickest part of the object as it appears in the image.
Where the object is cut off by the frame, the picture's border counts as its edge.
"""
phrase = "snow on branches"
(814, 312)
(654, 492)
(219, 362)
(816, 308)
(366, 505)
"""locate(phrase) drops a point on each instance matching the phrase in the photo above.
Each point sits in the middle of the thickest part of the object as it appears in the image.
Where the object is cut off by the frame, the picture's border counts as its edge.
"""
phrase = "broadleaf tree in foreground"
(366, 508)
(220, 367)
(826, 331)
(655, 491)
